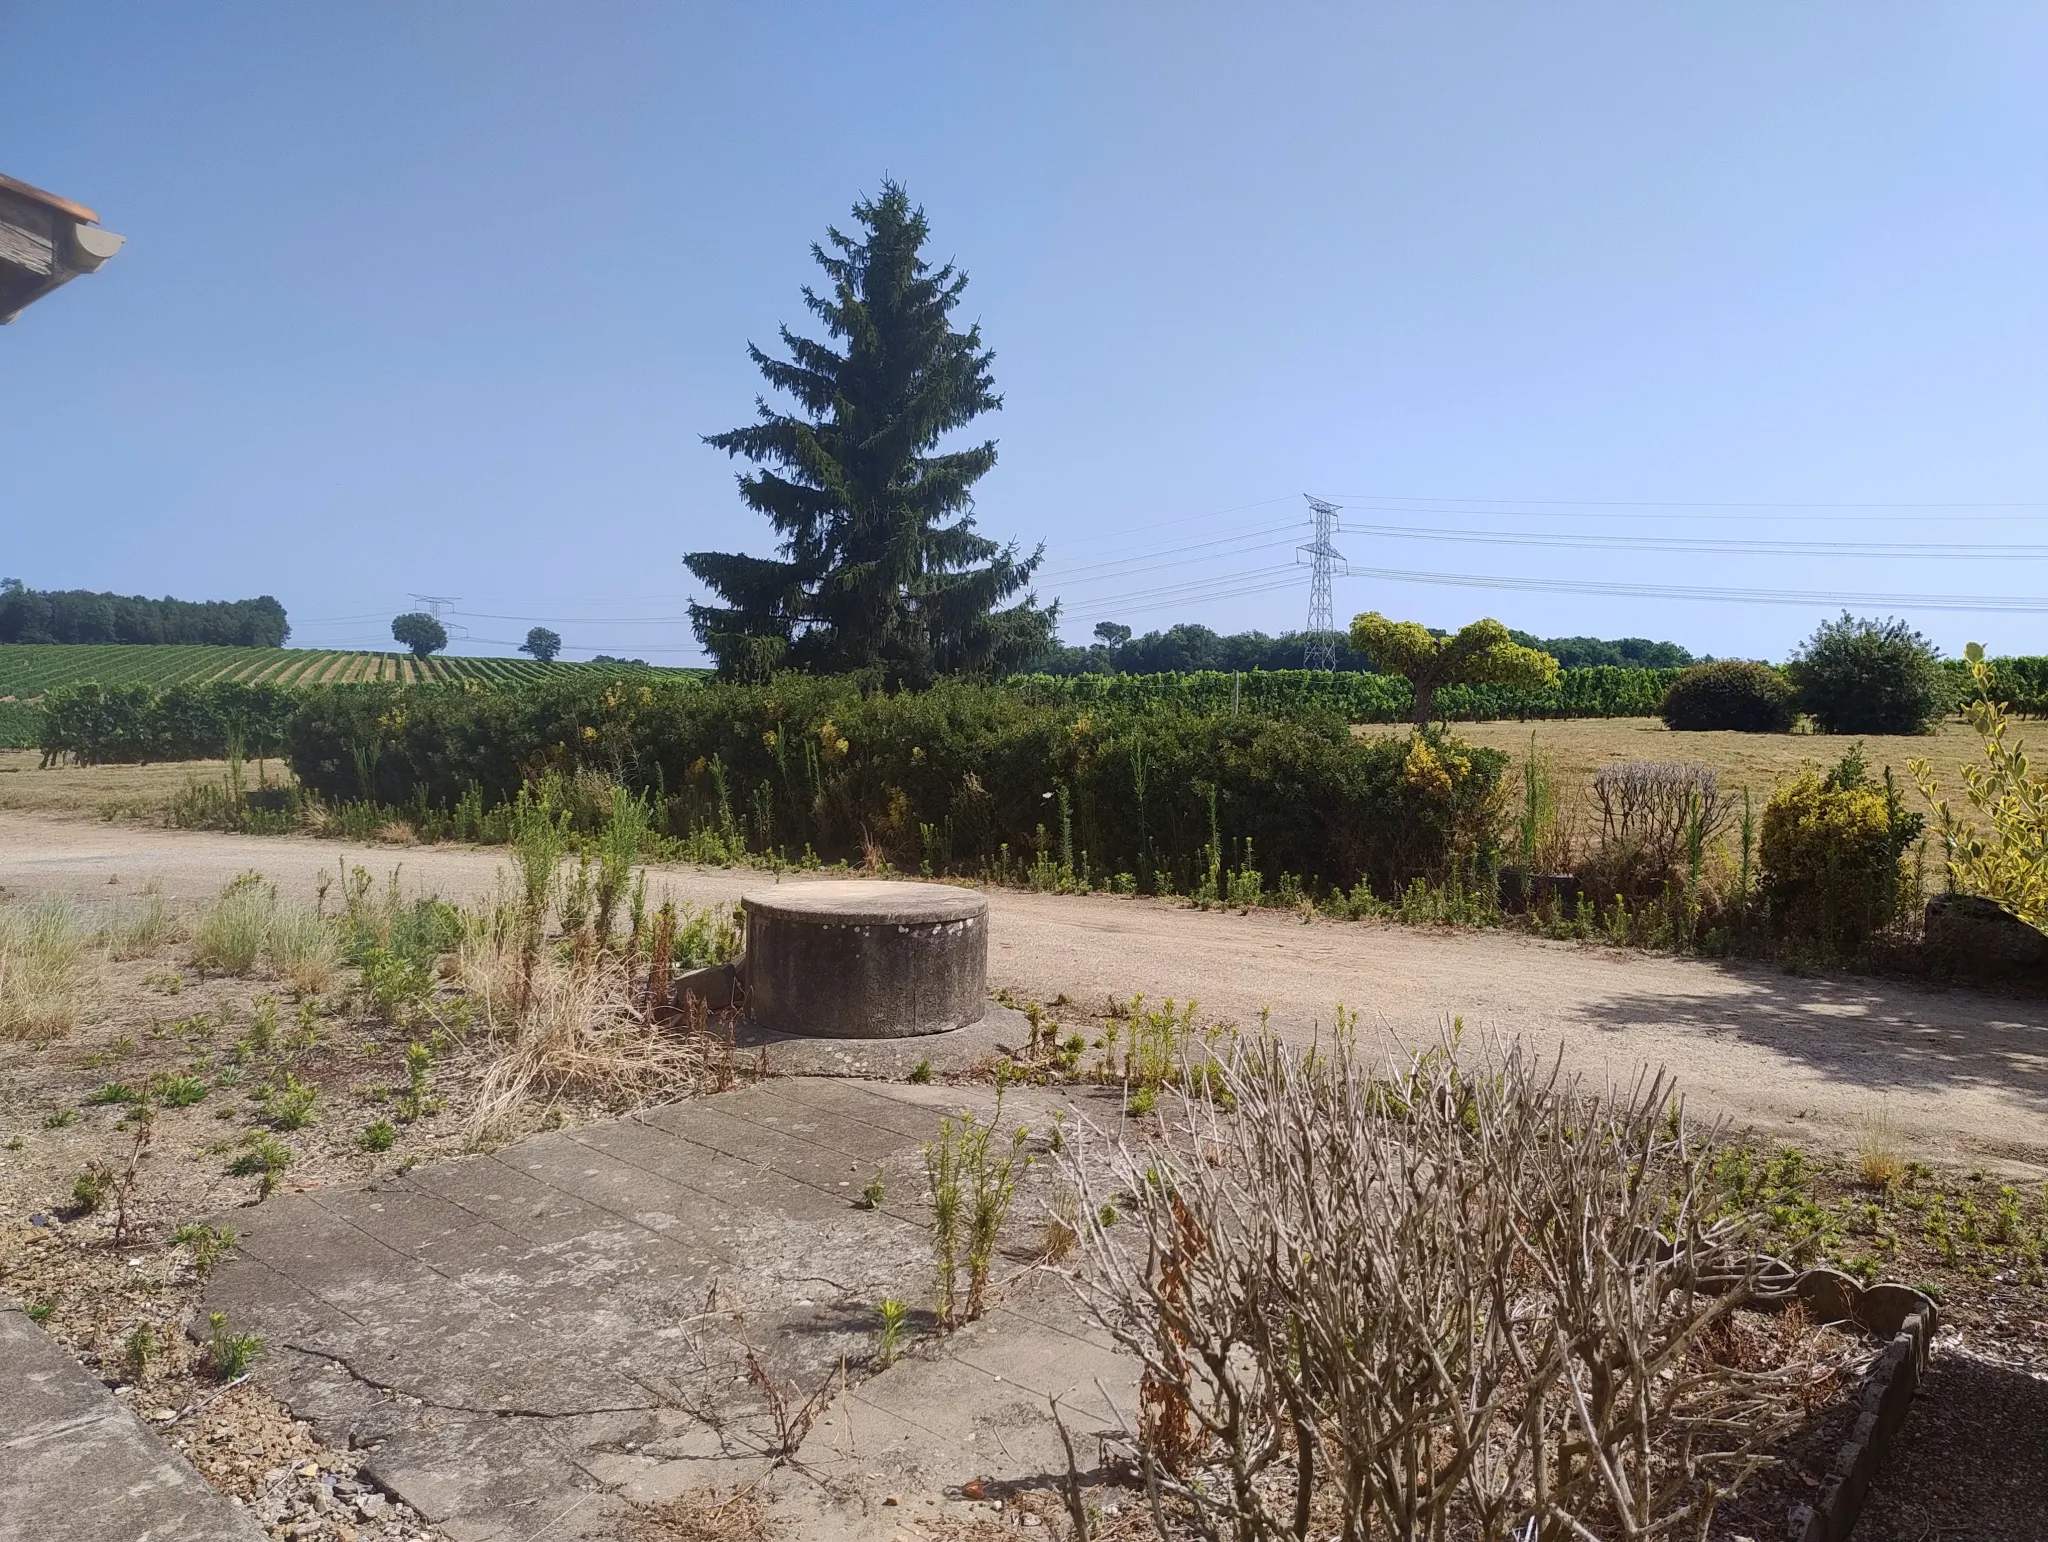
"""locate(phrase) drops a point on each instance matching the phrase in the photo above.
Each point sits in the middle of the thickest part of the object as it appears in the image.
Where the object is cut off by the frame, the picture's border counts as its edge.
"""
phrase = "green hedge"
(962, 778)
(1603, 691)
(103, 724)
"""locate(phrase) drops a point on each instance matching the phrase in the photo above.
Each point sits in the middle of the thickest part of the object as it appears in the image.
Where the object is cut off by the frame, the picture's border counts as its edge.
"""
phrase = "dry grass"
(130, 792)
(303, 948)
(1580, 747)
(740, 1516)
(145, 928)
(1880, 1162)
(47, 973)
(250, 926)
(580, 1040)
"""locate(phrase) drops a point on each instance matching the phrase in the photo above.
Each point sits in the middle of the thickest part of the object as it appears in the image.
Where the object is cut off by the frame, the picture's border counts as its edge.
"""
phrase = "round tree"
(1480, 654)
(1857, 676)
(542, 644)
(419, 632)
(1735, 694)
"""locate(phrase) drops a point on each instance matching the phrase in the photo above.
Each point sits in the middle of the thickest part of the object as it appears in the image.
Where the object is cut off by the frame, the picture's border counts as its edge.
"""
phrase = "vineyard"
(1602, 691)
(30, 669)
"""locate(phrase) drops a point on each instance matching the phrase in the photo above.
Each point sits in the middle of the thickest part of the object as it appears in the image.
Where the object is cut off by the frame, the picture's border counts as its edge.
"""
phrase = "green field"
(27, 670)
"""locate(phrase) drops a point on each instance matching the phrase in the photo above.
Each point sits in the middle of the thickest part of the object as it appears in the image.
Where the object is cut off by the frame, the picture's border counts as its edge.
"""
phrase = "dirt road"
(1961, 1077)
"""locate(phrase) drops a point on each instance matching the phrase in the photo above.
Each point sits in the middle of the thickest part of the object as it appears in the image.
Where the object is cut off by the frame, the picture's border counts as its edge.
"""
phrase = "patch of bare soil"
(112, 1214)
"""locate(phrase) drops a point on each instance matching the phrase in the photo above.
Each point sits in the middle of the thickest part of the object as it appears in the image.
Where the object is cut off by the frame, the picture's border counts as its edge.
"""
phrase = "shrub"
(1858, 676)
(2003, 854)
(1383, 1302)
(964, 777)
(1734, 694)
(1832, 852)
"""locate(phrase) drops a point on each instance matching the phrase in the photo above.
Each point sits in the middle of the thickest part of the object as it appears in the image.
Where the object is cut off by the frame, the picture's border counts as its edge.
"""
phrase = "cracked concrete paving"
(528, 1340)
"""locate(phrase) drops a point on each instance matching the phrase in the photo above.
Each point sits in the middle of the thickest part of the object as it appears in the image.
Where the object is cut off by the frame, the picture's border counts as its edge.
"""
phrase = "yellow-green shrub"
(1832, 857)
(2007, 862)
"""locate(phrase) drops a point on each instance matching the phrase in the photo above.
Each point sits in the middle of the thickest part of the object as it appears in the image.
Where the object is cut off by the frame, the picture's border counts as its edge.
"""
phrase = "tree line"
(82, 616)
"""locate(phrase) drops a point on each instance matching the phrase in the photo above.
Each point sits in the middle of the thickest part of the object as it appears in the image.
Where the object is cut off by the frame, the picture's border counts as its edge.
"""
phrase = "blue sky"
(439, 299)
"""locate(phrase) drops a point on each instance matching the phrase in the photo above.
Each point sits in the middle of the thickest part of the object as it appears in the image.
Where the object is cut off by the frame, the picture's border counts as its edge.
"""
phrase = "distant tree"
(1112, 634)
(542, 644)
(881, 565)
(1858, 676)
(1480, 654)
(606, 658)
(82, 616)
(420, 632)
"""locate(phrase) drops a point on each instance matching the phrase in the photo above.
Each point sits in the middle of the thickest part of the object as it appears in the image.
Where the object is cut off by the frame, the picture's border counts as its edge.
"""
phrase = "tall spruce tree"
(881, 565)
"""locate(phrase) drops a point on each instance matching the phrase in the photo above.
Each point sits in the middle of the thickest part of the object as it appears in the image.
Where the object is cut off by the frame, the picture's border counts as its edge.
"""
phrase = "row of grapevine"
(27, 670)
(1603, 691)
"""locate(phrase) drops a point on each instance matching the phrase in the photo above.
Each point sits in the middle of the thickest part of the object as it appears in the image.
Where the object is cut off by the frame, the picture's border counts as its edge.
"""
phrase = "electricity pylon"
(1319, 649)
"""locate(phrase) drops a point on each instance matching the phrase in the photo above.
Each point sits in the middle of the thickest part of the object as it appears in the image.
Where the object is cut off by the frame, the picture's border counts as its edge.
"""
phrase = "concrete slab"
(536, 1337)
(76, 1465)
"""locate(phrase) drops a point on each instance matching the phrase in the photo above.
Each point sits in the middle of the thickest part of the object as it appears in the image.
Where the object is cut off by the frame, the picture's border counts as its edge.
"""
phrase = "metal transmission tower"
(1320, 641)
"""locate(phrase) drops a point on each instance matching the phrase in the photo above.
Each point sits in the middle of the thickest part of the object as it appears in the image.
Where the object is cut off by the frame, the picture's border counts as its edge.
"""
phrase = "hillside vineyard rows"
(30, 669)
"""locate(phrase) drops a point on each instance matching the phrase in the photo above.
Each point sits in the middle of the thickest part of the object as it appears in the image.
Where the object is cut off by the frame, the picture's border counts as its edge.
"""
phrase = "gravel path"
(1961, 1077)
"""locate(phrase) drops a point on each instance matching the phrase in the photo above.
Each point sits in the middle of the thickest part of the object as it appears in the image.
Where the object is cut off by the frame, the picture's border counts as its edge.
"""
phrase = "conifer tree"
(881, 566)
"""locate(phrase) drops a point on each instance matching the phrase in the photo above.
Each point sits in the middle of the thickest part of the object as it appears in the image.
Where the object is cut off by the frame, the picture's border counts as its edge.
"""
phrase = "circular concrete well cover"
(866, 959)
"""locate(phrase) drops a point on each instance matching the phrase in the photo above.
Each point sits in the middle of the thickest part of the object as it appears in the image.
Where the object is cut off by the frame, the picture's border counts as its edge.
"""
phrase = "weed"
(963, 1172)
(207, 1244)
(895, 1314)
(60, 1119)
(263, 1158)
(417, 1101)
(92, 1188)
(39, 1311)
(942, 1161)
(921, 1073)
(172, 1090)
(377, 1135)
(292, 1105)
(871, 1197)
(618, 846)
(137, 1350)
(112, 1092)
(230, 1353)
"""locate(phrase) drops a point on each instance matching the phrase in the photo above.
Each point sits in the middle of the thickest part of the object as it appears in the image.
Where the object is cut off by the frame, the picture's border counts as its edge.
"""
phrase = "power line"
(1919, 550)
(1674, 503)
(2027, 604)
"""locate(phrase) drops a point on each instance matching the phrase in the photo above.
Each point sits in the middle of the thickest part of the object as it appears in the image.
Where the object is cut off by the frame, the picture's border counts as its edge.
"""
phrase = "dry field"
(110, 792)
(1757, 761)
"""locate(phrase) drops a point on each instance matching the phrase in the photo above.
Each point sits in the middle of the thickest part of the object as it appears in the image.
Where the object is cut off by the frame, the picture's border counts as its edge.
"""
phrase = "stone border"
(1910, 1318)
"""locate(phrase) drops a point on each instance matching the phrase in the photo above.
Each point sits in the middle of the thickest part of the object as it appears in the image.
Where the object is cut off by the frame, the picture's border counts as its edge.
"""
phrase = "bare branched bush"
(1481, 1303)
(48, 968)
(1651, 812)
(578, 1039)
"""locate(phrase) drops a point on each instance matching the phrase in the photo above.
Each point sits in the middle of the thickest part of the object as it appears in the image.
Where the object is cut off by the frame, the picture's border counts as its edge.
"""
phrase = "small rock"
(310, 1470)
(39, 1219)
(893, 1499)
(971, 1489)
(1032, 1520)
(162, 1415)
